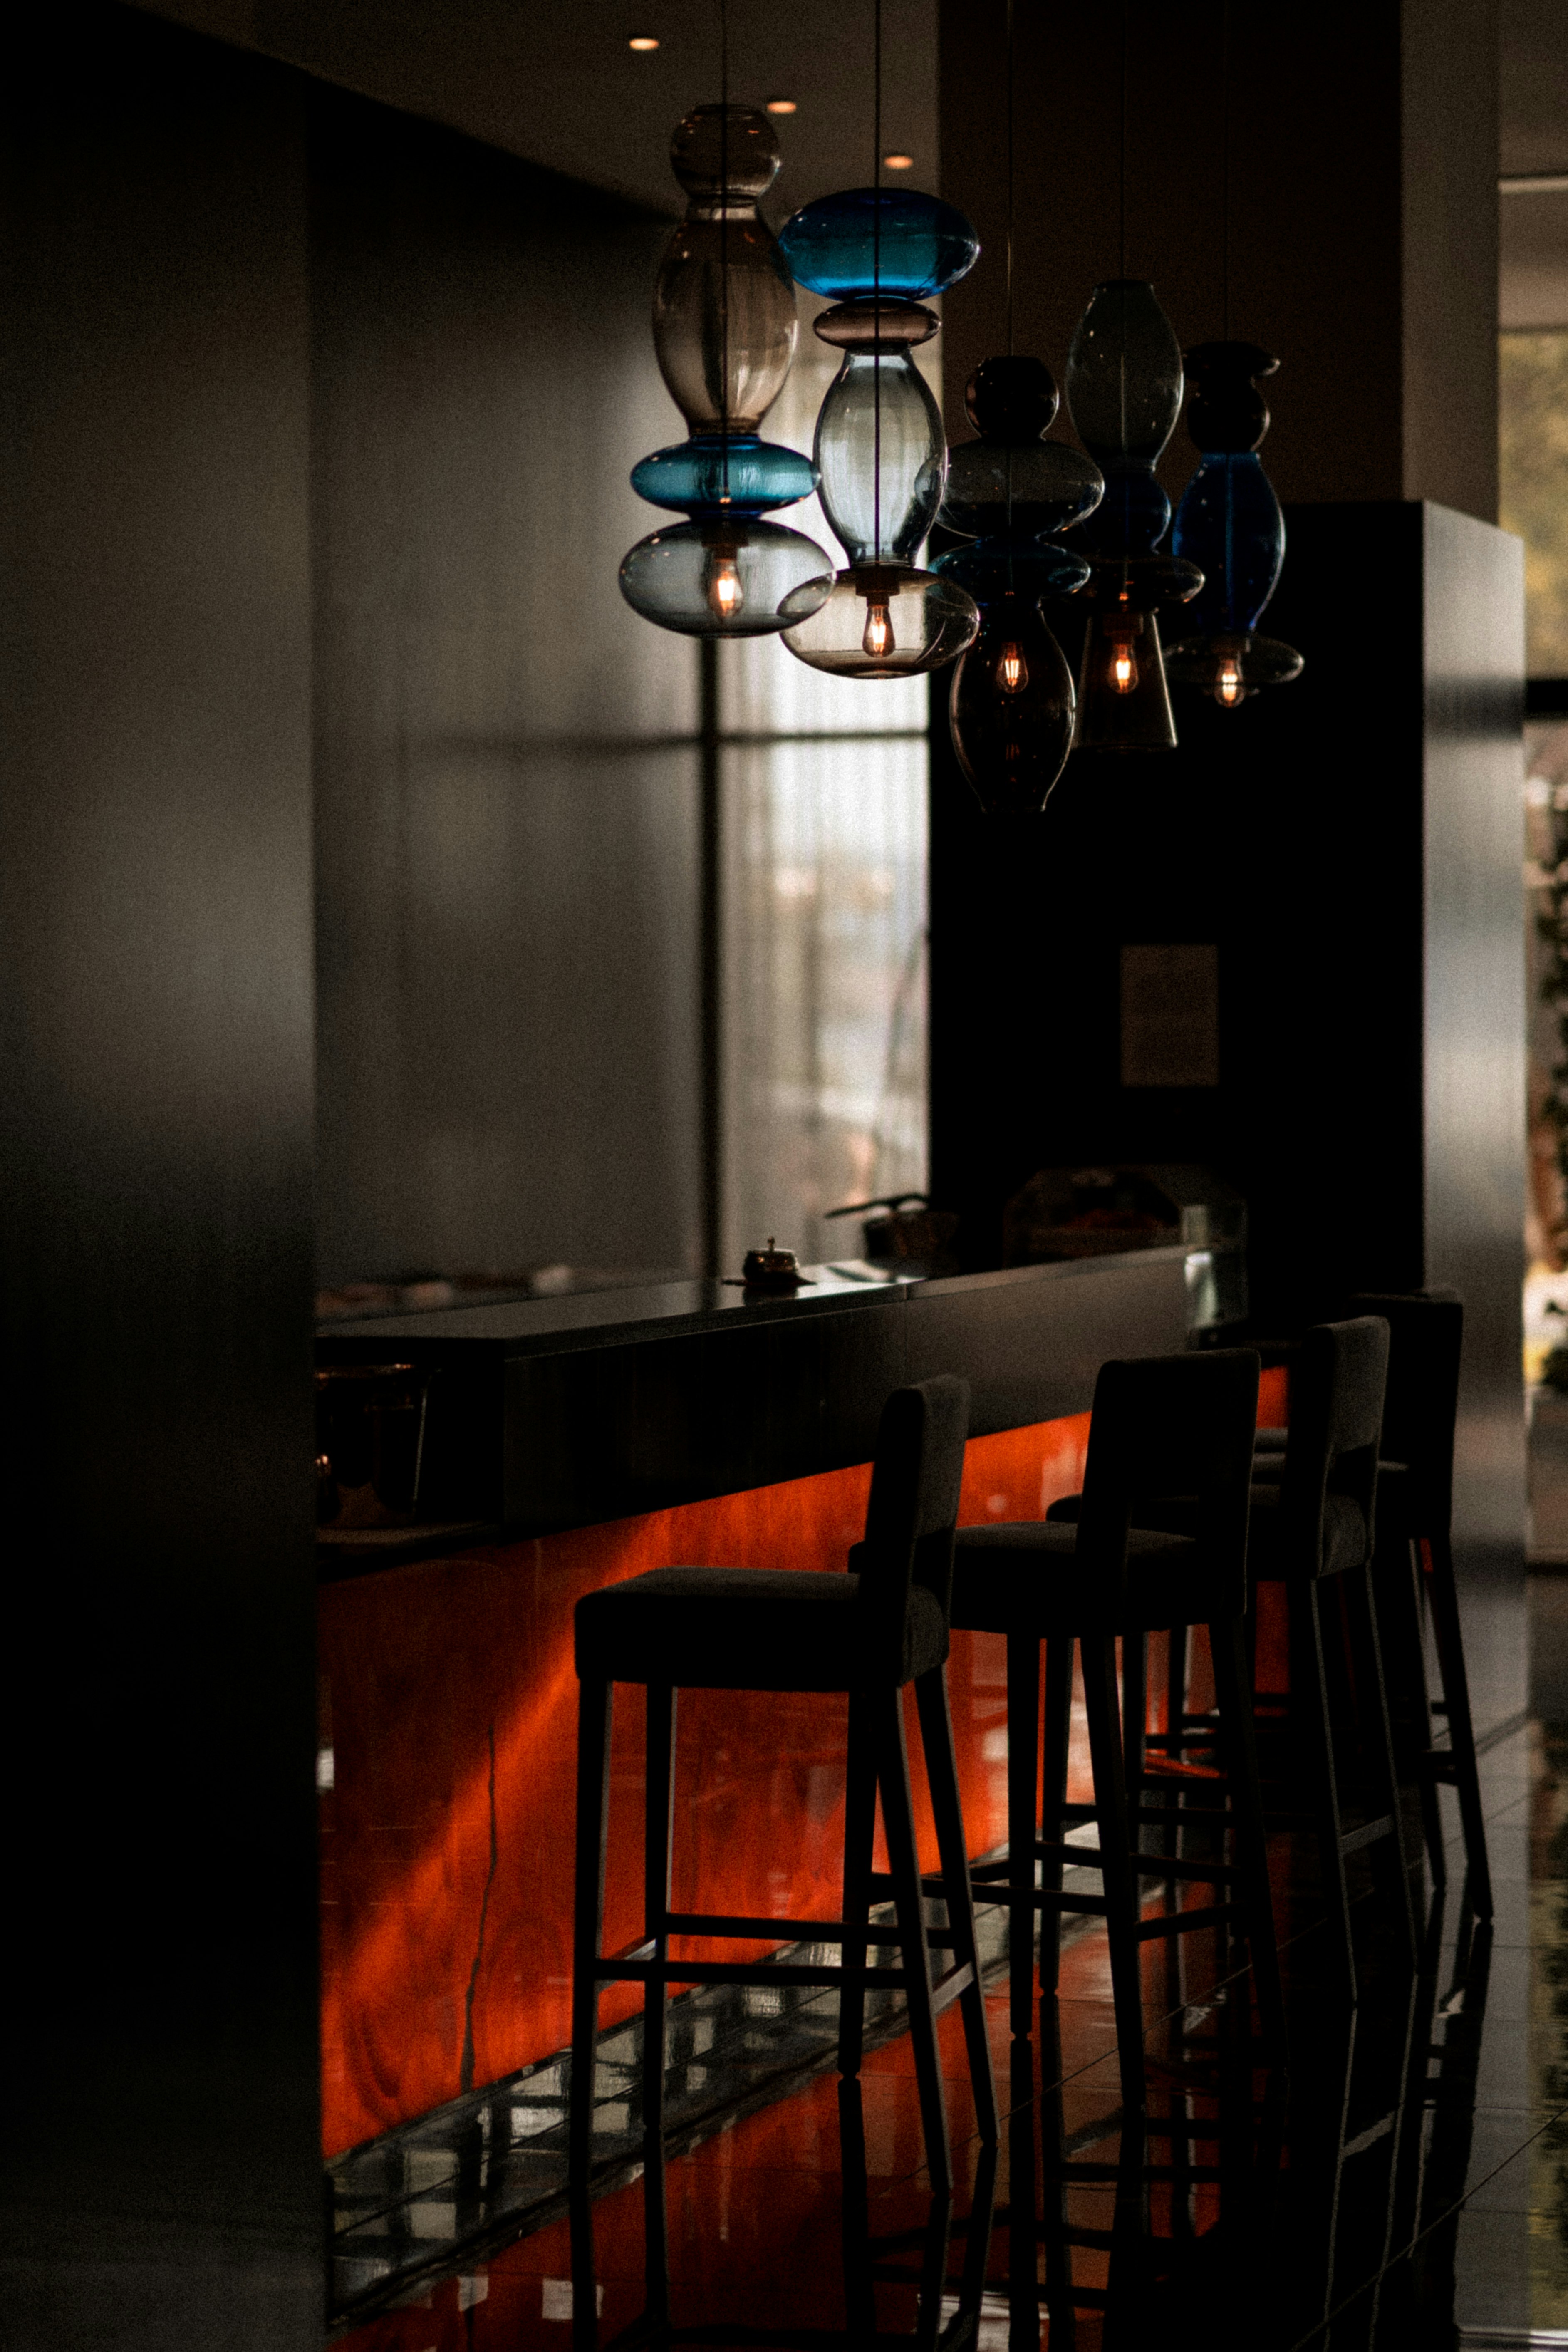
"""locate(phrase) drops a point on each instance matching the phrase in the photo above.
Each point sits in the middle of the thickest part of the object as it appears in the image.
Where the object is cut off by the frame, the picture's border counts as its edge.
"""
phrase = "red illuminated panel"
(450, 1712)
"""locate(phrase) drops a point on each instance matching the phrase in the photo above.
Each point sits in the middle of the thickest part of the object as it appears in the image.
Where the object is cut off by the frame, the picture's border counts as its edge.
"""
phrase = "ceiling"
(558, 84)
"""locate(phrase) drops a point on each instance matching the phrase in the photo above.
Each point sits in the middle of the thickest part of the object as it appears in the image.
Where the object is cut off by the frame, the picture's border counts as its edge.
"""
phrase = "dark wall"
(507, 780)
(162, 2175)
(1351, 845)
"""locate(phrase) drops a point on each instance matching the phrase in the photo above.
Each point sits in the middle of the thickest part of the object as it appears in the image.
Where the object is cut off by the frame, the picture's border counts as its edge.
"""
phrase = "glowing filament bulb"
(878, 640)
(725, 595)
(1012, 672)
(1123, 665)
(1228, 688)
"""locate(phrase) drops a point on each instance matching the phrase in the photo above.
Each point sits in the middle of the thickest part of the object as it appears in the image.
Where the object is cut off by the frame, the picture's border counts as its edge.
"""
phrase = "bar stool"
(1164, 1425)
(1312, 1520)
(866, 1633)
(1414, 1554)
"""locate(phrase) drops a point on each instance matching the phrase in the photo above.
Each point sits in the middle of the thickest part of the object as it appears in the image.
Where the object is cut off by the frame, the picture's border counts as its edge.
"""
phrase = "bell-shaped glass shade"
(1124, 373)
(896, 241)
(1011, 709)
(881, 456)
(1229, 524)
(715, 473)
(724, 318)
(885, 620)
(733, 578)
(1022, 487)
(1231, 667)
(1123, 703)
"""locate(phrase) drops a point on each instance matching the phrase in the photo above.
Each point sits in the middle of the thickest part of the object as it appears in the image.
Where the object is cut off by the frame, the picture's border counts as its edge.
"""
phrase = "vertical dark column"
(161, 2146)
(711, 958)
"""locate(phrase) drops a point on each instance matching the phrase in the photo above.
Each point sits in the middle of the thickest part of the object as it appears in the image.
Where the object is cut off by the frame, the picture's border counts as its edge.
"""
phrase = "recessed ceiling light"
(642, 41)
(781, 106)
(897, 163)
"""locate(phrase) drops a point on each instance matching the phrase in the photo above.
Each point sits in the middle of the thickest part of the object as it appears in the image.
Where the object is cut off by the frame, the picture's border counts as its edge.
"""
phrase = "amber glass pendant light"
(1228, 521)
(879, 448)
(1124, 387)
(724, 328)
(1011, 711)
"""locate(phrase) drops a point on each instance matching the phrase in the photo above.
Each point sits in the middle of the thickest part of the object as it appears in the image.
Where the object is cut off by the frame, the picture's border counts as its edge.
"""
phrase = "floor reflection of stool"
(1165, 1425)
(869, 1635)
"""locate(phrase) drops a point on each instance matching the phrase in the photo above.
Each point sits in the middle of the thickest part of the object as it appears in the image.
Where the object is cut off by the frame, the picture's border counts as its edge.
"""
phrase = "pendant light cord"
(1010, 581)
(1224, 153)
(724, 241)
(1124, 175)
(876, 283)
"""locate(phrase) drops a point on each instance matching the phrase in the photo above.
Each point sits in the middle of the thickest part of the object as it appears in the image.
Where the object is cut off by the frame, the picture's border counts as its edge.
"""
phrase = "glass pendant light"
(1011, 711)
(1124, 386)
(881, 450)
(1229, 522)
(724, 329)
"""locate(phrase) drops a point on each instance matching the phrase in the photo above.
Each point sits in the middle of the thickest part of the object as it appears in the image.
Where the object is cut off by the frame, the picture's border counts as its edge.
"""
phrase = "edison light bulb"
(725, 595)
(878, 640)
(1228, 688)
(1012, 671)
(1123, 665)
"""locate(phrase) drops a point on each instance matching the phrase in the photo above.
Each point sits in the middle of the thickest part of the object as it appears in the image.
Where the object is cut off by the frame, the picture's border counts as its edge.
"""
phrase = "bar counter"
(598, 1436)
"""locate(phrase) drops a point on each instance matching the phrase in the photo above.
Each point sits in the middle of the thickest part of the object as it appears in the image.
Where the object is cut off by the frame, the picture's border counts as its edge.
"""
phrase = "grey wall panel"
(507, 782)
(1474, 1057)
(161, 2144)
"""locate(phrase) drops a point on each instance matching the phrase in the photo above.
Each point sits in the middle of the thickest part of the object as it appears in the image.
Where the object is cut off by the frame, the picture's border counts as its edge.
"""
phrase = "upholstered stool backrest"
(910, 1521)
(1163, 1427)
(1338, 1375)
(1426, 1343)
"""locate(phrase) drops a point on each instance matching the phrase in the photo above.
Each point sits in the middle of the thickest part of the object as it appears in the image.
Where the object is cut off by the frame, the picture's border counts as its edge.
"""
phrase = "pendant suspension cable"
(876, 283)
(1123, 175)
(724, 243)
(1009, 279)
(1224, 153)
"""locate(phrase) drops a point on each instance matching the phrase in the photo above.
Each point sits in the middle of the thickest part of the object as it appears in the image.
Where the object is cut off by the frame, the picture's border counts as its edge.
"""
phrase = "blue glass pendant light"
(1229, 522)
(1124, 386)
(724, 328)
(879, 448)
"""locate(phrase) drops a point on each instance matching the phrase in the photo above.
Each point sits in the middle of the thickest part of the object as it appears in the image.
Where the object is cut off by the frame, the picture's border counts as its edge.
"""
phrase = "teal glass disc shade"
(894, 241)
(732, 577)
(713, 474)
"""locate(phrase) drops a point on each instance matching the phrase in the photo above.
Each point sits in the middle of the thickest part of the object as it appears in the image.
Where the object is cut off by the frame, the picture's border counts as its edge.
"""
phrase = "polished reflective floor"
(1402, 2181)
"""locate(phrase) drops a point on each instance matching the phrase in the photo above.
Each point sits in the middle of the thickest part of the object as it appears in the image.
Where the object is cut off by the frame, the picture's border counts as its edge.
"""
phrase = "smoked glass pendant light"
(879, 448)
(1011, 711)
(1124, 386)
(1228, 521)
(724, 329)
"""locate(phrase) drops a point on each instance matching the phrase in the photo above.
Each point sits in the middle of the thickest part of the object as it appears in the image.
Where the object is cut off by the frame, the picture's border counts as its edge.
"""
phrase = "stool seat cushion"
(744, 1629)
(1022, 1575)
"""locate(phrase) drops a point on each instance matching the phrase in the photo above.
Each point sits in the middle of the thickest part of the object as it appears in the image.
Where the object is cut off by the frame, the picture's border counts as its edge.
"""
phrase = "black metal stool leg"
(1098, 1652)
(594, 1705)
(1023, 1819)
(958, 1895)
(1309, 1694)
(1444, 1597)
(657, 1821)
(859, 2292)
(1397, 1598)
(1059, 1738)
(1366, 1650)
(903, 1863)
(859, 1832)
(1227, 1649)
(1023, 2230)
